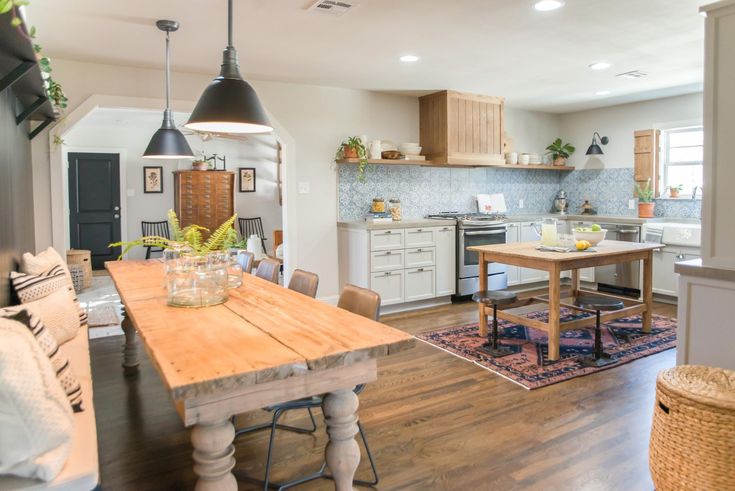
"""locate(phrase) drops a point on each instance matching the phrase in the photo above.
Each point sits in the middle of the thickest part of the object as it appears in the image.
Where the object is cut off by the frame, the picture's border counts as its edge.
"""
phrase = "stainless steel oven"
(468, 277)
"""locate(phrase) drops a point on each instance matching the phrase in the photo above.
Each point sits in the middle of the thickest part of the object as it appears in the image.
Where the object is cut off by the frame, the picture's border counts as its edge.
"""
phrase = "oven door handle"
(494, 232)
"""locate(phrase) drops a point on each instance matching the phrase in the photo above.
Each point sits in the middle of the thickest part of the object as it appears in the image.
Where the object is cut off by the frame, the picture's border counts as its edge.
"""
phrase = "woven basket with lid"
(693, 435)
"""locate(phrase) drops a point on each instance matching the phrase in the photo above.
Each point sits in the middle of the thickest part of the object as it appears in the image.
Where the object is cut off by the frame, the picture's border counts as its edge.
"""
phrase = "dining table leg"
(342, 453)
(130, 348)
(482, 268)
(648, 291)
(575, 282)
(214, 455)
(554, 311)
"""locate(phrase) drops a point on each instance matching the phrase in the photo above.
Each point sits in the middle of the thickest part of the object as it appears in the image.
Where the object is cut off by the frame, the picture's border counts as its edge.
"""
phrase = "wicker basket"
(693, 435)
(83, 257)
(77, 276)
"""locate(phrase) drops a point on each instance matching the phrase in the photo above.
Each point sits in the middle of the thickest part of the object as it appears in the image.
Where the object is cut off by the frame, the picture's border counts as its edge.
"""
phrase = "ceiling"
(536, 60)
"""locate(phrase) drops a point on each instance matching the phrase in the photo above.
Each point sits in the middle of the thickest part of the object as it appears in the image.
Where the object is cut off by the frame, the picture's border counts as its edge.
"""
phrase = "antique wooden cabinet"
(205, 198)
(462, 129)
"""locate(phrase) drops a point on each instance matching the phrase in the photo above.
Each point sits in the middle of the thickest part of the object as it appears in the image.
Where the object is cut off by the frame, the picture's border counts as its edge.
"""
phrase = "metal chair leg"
(492, 347)
(276, 415)
(599, 358)
(374, 469)
(264, 426)
(147, 252)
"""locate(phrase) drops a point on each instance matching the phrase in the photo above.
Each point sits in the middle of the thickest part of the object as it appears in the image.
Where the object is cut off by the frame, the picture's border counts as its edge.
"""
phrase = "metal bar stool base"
(498, 352)
(591, 361)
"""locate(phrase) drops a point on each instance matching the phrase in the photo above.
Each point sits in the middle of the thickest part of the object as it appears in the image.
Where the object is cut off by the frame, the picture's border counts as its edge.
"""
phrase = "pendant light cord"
(229, 23)
(168, 72)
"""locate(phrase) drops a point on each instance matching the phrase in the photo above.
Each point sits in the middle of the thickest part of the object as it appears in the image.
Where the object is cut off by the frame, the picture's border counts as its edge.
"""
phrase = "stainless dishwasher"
(622, 278)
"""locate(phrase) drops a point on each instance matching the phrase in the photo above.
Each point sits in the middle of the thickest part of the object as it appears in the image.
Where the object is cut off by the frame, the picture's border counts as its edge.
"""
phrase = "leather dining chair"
(246, 260)
(304, 282)
(268, 269)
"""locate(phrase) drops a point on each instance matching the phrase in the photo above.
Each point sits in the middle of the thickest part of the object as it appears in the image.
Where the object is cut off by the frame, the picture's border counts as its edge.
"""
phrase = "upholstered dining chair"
(246, 260)
(268, 269)
(155, 229)
(360, 301)
(304, 282)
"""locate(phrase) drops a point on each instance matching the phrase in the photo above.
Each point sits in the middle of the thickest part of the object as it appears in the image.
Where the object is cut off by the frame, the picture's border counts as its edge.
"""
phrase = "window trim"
(664, 155)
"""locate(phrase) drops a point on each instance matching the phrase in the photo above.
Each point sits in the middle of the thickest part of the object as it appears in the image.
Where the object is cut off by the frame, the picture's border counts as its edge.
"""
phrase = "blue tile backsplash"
(425, 190)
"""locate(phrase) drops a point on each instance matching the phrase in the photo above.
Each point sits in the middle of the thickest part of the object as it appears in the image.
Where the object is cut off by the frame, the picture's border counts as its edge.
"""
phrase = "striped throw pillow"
(67, 379)
(30, 287)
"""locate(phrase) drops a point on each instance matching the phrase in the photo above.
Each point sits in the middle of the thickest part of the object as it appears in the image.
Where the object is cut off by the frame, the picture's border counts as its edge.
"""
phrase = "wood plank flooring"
(434, 421)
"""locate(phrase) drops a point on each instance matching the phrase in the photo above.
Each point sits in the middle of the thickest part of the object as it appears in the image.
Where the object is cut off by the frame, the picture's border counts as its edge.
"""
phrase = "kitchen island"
(525, 254)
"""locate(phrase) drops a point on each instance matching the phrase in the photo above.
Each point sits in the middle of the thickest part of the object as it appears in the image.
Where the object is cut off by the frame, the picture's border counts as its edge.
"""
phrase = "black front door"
(94, 204)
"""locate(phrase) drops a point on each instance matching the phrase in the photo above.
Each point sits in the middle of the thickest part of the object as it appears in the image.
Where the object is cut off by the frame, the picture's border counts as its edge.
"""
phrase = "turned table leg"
(554, 311)
(342, 453)
(130, 348)
(648, 291)
(214, 455)
(482, 268)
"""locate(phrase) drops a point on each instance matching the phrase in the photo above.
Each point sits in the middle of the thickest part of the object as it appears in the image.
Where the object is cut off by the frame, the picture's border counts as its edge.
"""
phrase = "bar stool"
(597, 303)
(493, 299)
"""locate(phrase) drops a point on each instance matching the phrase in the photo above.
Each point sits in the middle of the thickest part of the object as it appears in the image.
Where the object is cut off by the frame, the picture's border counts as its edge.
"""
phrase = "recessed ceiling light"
(409, 58)
(602, 92)
(546, 5)
(600, 65)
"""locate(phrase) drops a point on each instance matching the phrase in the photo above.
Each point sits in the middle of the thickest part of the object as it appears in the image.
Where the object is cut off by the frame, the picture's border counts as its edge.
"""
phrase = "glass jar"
(378, 205)
(198, 280)
(394, 206)
(234, 269)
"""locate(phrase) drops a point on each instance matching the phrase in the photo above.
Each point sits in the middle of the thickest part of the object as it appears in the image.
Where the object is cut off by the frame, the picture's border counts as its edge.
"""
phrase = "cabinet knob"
(419, 250)
(387, 231)
(419, 230)
(420, 269)
(445, 228)
(387, 273)
(388, 253)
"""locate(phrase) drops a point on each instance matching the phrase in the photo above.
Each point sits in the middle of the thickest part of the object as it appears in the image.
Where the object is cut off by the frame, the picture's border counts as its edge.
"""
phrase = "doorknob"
(117, 208)
(116, 215)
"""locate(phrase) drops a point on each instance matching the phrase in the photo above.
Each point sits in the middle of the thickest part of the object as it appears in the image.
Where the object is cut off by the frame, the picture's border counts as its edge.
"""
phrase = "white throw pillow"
(35, 417)
(44, 261)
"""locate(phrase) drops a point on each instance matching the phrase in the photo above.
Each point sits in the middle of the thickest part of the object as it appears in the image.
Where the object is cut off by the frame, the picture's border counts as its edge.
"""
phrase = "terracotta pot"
(673, 192)
(349, 152)
(200, 165)
(559, 161)
(645, 210)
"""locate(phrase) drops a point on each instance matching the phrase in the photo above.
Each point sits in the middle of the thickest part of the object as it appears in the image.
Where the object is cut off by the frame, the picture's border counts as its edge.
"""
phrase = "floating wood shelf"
(386, 161)
(432, 164)
(537, 166)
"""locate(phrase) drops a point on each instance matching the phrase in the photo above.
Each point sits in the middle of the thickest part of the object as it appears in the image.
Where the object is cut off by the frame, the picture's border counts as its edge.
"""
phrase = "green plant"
(11, 6)
(191, 235)
(560, 149)
(355, 143)
(678, 187)
(645, 193)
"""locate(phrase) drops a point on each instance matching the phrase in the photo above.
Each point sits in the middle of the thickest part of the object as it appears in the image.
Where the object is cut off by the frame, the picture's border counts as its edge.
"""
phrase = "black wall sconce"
(595, 149)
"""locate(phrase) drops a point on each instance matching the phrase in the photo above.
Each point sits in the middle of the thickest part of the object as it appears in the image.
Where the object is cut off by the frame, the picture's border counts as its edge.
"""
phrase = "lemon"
(582, 245)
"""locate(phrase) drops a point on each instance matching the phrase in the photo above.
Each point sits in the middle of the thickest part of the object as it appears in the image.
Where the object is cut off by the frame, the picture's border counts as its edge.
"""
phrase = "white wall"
(619, 122)
(531, 131)
(316, 118)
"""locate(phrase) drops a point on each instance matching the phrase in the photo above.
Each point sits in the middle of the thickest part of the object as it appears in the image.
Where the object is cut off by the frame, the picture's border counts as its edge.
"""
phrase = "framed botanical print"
(247, 179)
(152, 179)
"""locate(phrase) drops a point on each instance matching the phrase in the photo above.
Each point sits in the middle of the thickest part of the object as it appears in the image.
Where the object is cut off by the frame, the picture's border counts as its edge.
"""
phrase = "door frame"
(123, 159)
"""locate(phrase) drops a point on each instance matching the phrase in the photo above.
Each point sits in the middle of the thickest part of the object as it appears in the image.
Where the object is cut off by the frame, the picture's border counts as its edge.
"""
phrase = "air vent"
(334, 7)
(632, 74)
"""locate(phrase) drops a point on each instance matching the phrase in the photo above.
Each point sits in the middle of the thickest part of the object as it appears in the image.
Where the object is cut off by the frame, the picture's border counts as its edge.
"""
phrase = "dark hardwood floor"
(434, 421)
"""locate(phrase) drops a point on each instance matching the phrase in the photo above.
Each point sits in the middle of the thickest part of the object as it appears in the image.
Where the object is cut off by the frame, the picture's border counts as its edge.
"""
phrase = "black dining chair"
(157, 229)
(250, 226)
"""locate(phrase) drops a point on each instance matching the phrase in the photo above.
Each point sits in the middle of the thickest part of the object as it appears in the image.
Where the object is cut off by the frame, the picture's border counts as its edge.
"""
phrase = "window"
(681, 158)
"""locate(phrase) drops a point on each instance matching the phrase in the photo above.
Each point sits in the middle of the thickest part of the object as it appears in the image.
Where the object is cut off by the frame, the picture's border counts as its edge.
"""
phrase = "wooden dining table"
(265, 345)
(526, 255)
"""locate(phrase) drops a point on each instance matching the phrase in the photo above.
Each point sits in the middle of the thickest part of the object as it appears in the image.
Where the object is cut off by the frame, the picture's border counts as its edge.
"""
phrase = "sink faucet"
(694, 192)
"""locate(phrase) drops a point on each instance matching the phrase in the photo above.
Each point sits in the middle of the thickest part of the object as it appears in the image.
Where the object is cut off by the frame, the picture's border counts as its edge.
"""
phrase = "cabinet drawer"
(386, 261)
(419, 284)
(389, 286)
(420, 237)
(420, 256)
(383, 240)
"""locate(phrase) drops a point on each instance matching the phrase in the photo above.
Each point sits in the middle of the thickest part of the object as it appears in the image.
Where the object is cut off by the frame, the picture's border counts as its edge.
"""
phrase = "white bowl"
(593, 238)
(410, 151)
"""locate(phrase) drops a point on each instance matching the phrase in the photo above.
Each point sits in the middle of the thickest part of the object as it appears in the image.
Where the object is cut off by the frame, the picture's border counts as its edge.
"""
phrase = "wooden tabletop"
(264, 332)
(527, 250)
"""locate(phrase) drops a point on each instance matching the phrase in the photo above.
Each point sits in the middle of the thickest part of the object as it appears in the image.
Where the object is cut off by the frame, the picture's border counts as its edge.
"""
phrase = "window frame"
(664, 156)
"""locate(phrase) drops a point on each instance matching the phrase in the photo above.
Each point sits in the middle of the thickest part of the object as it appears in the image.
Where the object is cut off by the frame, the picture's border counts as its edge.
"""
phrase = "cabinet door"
(385, 240)
(664, 279)
(419, 284)
(512, 237)
(389, 286)
(419, 237)
(446, 261)
(386, 261)
(529, 275)
(421, 256)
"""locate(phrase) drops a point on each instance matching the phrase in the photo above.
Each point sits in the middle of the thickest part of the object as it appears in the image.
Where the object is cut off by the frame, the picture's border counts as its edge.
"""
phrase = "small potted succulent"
(645, 200)
(354, 148)
(675, 190)
(560, 152)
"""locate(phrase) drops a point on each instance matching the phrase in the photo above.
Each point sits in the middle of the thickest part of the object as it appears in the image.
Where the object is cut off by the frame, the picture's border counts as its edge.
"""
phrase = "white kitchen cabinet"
(389, 285)
(383, 240)
(512, 237)
(421, 256)
(445, 268)
(419, 237)
(529, 275)
(419, 284)
(665, 280)
(386, 261)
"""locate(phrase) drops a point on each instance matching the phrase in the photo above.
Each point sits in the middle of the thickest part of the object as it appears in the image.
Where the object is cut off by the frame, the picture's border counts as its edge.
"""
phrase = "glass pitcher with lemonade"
(547, 231)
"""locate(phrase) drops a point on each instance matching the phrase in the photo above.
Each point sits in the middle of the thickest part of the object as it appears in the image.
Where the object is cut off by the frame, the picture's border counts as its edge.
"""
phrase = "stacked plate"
(409, 149)
(534, 158)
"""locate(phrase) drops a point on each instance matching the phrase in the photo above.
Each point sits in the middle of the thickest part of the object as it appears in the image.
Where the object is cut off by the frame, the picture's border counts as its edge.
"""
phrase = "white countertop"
(407, 223)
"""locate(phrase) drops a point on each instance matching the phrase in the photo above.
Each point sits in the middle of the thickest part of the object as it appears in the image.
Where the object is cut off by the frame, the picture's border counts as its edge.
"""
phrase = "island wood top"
(264, 332)
(606, 252)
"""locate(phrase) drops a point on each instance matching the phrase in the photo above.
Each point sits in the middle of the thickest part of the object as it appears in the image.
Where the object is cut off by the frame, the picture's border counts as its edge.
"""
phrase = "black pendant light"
(595, 149)
(168, 142)
(229, 104)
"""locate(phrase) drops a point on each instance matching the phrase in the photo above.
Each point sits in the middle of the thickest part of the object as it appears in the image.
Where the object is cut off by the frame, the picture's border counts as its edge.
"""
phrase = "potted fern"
(560, 152)
(645, 200)
(354, 148)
